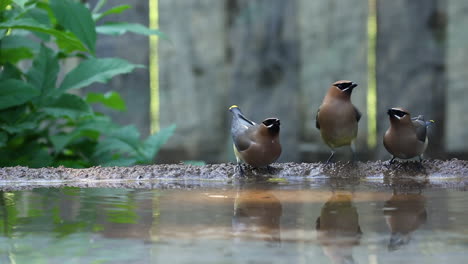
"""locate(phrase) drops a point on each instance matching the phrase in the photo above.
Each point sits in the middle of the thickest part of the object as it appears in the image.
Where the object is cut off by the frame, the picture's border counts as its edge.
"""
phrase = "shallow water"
(302, 222)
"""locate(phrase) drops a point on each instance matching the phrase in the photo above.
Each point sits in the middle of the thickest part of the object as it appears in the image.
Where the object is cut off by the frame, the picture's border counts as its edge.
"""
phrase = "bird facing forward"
(406, 137)
(337, 118)
(255, 144)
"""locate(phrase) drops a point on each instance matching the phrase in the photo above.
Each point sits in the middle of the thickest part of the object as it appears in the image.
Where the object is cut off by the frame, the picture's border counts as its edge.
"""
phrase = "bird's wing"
(421, 128)
(358, 114)
(240, 131)
(241, 141)
(317, 125)
(243, 120)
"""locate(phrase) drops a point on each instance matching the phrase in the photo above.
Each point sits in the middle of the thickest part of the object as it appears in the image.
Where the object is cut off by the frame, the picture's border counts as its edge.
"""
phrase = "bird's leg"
(270, 169)
(331, 157)
(240, 169)
(420, 162)
(352, 146)
(390, 162)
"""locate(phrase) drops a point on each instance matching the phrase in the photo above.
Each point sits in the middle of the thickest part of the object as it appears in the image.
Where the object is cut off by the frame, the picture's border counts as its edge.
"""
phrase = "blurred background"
(278, 58)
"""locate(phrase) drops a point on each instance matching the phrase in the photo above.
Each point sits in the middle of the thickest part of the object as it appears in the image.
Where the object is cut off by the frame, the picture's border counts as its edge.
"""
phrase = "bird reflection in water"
(256, 216)
(404, 213)
(338, 229)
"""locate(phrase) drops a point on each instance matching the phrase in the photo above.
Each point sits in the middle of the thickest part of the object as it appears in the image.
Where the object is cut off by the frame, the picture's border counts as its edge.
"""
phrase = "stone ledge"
(452, 172)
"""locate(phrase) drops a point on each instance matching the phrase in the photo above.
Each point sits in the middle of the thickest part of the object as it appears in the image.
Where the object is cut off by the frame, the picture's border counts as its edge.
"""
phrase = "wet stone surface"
(451, 173)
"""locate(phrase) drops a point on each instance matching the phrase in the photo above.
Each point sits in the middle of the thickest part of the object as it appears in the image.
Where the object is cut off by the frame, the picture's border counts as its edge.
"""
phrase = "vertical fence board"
(457, 70)
(263, 53)
(410, 64)
(333, 46)
(193, 78)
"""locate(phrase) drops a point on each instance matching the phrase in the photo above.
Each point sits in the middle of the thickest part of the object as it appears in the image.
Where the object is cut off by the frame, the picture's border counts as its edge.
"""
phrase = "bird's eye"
(271, 121)
(399, 113)
(343, 86)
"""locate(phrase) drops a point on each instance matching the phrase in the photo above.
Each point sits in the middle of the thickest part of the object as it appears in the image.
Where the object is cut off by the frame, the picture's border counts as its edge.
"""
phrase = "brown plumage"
(337, 118)
(406, 137)
(257, 215)
(404, 213)
(338, 229)
(255, 144)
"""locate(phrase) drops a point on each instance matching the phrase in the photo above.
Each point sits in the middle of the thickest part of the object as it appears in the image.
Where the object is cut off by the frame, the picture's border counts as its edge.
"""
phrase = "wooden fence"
(278, 58)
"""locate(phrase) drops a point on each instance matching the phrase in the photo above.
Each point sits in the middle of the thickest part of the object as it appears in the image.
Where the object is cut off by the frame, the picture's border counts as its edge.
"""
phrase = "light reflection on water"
(269, 223)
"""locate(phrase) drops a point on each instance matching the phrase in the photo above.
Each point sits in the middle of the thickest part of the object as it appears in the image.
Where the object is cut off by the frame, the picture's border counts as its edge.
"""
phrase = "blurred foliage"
(46, 225)
(41, 122)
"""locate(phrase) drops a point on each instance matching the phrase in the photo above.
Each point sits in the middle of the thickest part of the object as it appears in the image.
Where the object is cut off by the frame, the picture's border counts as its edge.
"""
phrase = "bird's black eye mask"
(346, 86)
(273, 124)
(396, 113)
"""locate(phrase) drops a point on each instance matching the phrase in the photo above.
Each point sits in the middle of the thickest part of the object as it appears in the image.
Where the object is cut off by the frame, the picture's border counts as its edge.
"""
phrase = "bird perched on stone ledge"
(337, 118)
(255, 144)
(406, 137)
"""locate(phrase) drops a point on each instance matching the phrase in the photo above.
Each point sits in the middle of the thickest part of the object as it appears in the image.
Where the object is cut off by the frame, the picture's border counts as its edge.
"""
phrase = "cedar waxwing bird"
(406, 137)
(337, 118)
(338, 229)
(255, 144)
(257, 215)
(404, 213)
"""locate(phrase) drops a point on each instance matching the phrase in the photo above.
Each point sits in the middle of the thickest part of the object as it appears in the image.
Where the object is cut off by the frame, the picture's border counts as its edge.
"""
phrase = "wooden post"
(410, 64)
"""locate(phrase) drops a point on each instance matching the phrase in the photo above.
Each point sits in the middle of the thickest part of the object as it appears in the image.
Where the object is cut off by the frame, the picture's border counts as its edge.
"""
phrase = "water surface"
(303, 222)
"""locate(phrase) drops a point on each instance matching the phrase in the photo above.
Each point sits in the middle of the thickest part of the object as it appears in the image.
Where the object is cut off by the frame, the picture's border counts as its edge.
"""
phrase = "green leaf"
(111, 146)
(16, 41)
(68, 105)
(19, 128)
(101, 124)
(60, 141)
(127, 134)
(13, 114)
(122, 28)
(33, 155)
(43, 17)
(120, 140)
(75, 17)
(40, 15)
(84, 126)
(4, 4)
(95, 70)
(10, 71)
(20, 3)
(72, 42)
(44, 71)
(15, 55)
(3, 139)
(15, 92)
(45, 6)
(109, 99)
(114, 10)
(153, 143)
